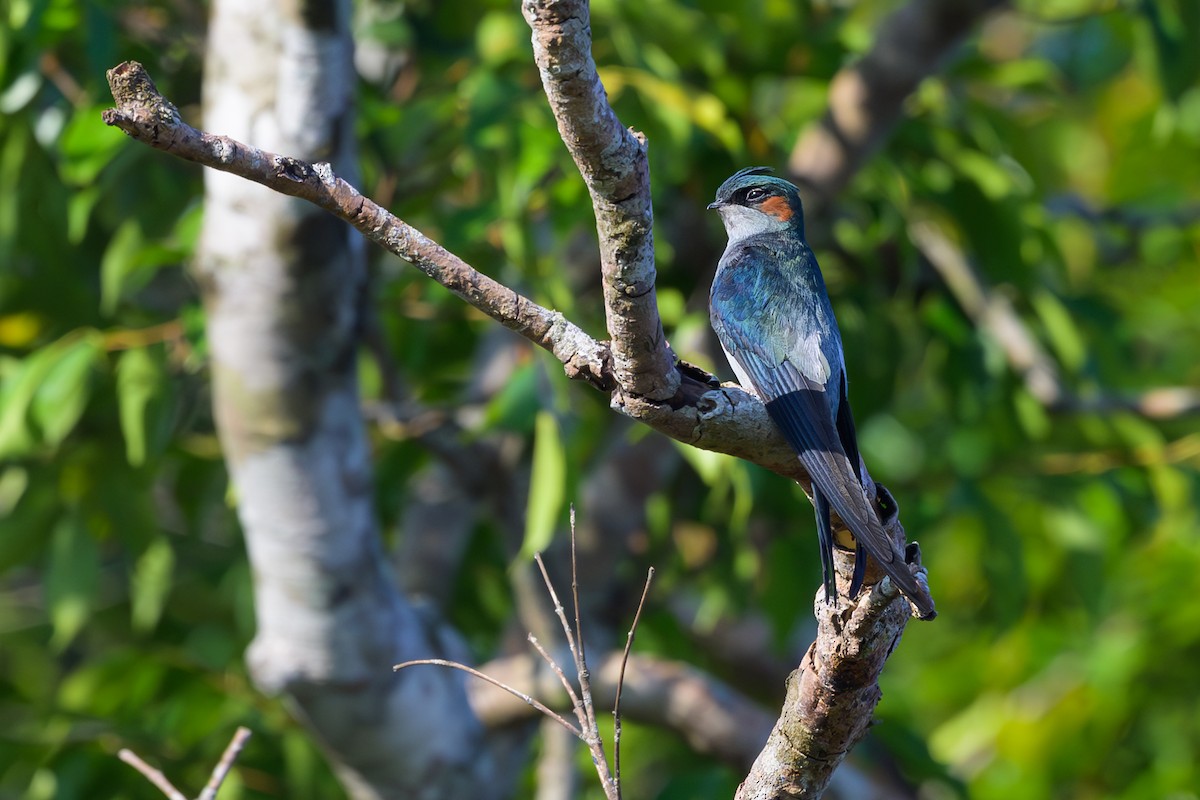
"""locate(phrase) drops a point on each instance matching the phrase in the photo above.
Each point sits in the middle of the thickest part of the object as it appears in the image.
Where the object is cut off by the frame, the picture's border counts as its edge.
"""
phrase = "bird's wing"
(802, 409)
(800, 405)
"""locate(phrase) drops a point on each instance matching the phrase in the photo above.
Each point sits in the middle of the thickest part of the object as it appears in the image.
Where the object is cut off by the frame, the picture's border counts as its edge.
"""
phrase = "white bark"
(284, 286)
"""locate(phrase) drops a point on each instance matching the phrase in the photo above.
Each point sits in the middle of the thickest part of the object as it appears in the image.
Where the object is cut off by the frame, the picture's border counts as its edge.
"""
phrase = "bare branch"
(586, 712)
(153, 775)
(612, 161)
(712, 717)
(581, 666)
(866, 99)
(637, 617)
(219, 773)
(147, 116)
(525, 698)
(576, 703)
(221, 770)
(994, 314)
(723, 419)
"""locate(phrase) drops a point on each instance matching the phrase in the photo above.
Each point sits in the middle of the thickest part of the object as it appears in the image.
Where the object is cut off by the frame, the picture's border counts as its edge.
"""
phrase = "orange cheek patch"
(777, 207)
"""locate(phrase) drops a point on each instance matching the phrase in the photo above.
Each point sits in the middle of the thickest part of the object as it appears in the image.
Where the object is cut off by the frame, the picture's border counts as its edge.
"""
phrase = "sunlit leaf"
(1064, 335)
(140, 381)
(65, 387)
(547, 485)
(150, 584)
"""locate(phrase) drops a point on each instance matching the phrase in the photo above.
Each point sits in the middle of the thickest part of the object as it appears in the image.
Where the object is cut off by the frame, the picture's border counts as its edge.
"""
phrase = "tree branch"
(993, 314)
(866, 99)
(702, 413)
(830, 699)
(612, 161)
(147, 116)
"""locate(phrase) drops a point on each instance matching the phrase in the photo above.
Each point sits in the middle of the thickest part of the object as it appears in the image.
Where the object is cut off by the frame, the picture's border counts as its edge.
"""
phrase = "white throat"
(741, 222)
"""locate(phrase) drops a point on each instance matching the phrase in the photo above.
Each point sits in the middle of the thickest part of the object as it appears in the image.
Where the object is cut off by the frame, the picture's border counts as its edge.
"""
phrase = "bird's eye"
(755, 194)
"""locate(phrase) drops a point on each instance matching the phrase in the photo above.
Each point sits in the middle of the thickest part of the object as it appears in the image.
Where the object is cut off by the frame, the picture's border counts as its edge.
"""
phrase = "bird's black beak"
(715, 205)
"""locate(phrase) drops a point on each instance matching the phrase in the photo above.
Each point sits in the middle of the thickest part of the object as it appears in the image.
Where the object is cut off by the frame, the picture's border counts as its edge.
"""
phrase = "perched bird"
(772, 314)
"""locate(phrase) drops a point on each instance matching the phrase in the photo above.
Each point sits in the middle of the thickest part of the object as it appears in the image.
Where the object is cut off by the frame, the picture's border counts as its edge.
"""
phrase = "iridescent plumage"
(772, 314)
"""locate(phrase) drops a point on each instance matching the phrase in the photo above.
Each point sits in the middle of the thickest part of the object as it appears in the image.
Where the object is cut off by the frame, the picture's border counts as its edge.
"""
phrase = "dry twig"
(582, 704)
(219, 773)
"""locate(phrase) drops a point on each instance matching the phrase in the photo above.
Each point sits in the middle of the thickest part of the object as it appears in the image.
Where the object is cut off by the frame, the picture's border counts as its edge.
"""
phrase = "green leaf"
(87, 146)
(43, 396)
(119, 266)
(65, 388)
(987, 173)
(150, 585)
(1031, 415)
(1060, 328)
(709, 465)
(140, 381)
(71, 579)
(547, 485)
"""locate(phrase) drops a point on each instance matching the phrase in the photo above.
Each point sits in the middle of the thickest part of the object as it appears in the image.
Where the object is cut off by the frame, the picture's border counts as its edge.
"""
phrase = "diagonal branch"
(866, 99)
(612, 161)
(147, 116)
(702, 414)
(994, 314)
(830, 699)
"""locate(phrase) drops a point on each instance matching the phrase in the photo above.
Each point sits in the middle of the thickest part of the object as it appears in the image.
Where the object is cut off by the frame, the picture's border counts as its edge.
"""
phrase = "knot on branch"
(596, 367)
(135, 94)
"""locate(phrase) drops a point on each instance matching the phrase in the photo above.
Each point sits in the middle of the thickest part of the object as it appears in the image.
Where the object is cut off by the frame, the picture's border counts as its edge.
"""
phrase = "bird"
(772, 314)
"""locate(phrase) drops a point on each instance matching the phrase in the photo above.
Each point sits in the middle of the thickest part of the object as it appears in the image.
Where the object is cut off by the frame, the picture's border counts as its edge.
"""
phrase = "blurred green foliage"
(1059, 152)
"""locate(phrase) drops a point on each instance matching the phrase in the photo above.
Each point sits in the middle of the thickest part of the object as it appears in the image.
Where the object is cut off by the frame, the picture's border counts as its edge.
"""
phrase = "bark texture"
(701, 413)
(283, 286)
(612, 161)
(830, 699)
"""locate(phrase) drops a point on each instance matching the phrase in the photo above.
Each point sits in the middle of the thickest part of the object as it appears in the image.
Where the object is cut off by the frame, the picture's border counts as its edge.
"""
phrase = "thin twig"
(441, 662)
(585, 678)
(585, 712)
(637, 616)
(576, 703)
(559, 611)
(221, 770)
(153, 775)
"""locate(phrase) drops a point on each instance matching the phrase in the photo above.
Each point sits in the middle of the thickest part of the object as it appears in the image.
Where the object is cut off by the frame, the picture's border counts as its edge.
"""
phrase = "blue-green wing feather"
(802, 409)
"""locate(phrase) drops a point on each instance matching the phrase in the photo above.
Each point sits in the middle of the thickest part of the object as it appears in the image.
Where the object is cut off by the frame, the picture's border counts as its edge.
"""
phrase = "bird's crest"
(742, 173)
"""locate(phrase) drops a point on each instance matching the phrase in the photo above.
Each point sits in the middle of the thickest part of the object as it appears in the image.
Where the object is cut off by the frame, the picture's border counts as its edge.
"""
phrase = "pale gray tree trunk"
(284, 288)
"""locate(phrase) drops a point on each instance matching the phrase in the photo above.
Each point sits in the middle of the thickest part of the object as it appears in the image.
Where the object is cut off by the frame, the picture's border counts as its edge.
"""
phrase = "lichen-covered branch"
(700, 413)
(830, 701)
(613, 163)
(150, 118)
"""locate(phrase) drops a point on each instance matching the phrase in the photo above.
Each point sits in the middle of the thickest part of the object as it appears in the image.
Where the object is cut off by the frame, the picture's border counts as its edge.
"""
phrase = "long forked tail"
(833, 480)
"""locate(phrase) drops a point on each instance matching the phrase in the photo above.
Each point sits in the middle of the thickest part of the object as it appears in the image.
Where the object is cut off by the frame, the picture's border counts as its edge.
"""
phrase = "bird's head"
(754, 201)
